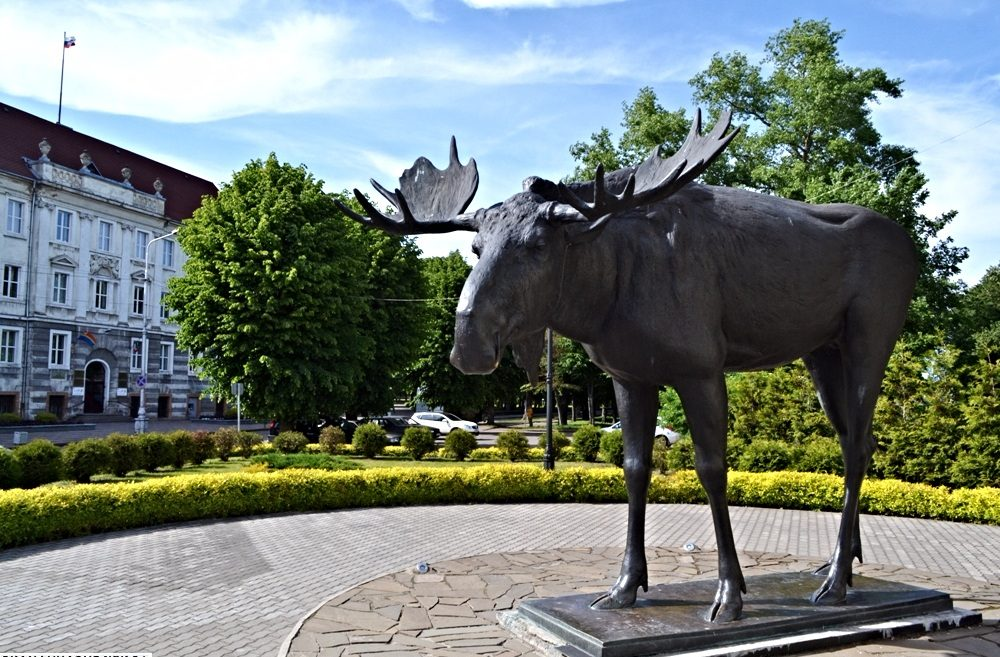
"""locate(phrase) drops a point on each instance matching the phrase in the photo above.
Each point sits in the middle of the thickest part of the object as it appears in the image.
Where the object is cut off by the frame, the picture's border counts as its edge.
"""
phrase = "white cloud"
(422, 10)
(956, 132)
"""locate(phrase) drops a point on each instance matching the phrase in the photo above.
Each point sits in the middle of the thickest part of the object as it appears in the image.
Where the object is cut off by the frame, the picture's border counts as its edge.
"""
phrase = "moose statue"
(668, 282)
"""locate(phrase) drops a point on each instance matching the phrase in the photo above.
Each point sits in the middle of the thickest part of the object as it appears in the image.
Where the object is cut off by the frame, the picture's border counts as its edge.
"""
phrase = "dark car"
(312, 429)
(395, 425)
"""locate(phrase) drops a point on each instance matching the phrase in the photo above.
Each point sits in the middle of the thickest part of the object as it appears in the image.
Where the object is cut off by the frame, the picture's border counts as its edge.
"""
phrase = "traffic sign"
(141, 381)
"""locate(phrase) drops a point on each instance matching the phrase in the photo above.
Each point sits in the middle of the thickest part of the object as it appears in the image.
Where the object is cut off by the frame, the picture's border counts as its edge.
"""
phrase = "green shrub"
(46, 417)
(660, 450)
(680, 456)
(126, 453)
(418, 441)
(559, 442)
(183, 442)
(587, 442)
(765, 455)
(246, 441)
(10, 470)
(31, 516)
(85, 458)
(157, 451)
(485, 454)
(225, 442)
(290, 442)
(331, 439)
(459, 443)
(613, 447)
(40, 461)
(513, 445)
(10, 418)
(369, 439)
(305, 461)
(820, 455)
(204, 447)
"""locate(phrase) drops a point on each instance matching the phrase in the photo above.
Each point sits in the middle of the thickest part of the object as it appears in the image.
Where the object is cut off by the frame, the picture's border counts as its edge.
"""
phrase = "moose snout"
(476, 349)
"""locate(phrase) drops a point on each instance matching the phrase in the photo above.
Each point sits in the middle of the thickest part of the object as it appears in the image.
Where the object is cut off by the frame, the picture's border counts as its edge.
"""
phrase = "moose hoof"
(830, 593)
(724, 612)
(615, 599)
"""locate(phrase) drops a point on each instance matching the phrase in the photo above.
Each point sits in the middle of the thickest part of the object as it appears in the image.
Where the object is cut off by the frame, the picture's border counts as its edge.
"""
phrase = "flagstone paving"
(452, 609)
(240, 587)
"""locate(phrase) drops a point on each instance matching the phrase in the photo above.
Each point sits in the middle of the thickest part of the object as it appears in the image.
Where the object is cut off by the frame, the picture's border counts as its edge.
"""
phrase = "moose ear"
(579, 229)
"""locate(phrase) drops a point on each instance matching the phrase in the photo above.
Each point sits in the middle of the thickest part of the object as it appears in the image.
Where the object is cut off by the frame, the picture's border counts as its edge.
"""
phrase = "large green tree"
(273, 293)
(394, 318)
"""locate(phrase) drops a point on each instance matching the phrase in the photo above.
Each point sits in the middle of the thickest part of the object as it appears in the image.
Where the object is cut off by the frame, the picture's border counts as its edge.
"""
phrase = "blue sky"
(360, 88)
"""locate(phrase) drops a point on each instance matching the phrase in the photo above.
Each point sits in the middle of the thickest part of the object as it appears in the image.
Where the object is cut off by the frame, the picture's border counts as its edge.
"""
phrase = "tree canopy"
(276, 294)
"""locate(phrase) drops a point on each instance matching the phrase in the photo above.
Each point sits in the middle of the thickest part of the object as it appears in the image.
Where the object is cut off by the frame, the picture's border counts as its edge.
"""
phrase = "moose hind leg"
(638, 405)
(705, 405)
(826, 367)
(863, 367)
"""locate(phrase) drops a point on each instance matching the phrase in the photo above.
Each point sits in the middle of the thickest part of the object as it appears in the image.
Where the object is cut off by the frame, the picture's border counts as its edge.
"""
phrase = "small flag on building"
(69, 42)
(87, 338)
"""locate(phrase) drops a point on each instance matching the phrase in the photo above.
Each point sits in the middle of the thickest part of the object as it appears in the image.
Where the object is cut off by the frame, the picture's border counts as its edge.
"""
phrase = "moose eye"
(476, 249)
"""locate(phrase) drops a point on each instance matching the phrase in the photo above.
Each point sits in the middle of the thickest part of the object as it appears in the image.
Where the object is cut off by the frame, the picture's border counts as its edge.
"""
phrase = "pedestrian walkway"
(240, 587)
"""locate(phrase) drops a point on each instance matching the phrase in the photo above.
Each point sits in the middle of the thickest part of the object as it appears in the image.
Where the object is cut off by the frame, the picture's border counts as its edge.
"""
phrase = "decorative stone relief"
(126, 174)
(109, 264)
(158, 186)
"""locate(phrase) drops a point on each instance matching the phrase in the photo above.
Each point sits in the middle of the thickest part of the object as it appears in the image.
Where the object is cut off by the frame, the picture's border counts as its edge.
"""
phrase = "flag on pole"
(69, 42)
(87, 338)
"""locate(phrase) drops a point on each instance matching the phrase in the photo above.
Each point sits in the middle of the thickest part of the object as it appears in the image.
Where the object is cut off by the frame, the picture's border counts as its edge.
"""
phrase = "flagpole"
(62, 70)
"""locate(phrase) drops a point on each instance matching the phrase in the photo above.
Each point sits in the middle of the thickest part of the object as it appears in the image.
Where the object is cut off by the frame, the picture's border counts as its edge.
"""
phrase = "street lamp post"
(140, 420)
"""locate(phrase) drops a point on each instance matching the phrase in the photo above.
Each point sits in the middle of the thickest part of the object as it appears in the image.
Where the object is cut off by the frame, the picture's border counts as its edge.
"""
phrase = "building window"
(64, 220)
(104, 236)
(168, 253)
(60, 287)
(59, 350)
(138, 300)
(15, 216)
(167, 357)
(135, 362)
(164, 310)
(11, 278)
(141, 244)
(10, 340)
(101, 294)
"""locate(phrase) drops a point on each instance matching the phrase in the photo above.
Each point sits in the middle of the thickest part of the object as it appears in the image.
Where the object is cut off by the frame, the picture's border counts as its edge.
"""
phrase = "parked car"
(667, 433)
(395, 425)
(445, 422)
(311, 429)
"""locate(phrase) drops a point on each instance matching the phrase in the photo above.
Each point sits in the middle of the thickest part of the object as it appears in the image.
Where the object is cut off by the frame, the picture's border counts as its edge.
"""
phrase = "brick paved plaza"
(241, 587)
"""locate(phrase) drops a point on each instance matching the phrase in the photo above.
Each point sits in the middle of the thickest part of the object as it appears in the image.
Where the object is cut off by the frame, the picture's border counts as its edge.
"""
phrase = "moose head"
(523, 243)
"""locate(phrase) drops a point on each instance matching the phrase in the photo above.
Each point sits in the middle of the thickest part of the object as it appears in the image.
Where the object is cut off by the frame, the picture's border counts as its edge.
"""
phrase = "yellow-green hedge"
(42, 514)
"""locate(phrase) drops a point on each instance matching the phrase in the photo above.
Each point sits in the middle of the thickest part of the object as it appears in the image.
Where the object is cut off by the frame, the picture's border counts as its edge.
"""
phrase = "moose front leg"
(637, 405)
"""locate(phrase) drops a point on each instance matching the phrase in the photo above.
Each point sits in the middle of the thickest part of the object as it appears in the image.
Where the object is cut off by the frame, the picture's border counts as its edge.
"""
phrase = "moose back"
(669, 282)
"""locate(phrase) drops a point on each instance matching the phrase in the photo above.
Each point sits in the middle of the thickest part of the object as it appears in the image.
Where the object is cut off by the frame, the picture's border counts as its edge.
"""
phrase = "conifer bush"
(85, 458)
(331, 439)
(418, 441)
(10, 470)
(126, 453)
(587, 442)
(290, 442)
(204, 447)
(460, 443)
(369, 439)
(40, 461)
(183, 442)
(157, 451)
(225, 442)
(513, 445)
(613, 447)
(559, 442)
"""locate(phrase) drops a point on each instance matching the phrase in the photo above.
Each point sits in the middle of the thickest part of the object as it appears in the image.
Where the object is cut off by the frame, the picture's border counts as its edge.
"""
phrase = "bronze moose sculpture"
(669, 282)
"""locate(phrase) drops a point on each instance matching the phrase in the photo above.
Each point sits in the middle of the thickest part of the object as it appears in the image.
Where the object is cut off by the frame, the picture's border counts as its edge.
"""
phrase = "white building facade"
(75, 248)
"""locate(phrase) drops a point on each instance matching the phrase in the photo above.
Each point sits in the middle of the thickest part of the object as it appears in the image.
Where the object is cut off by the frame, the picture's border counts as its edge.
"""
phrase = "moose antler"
(656, 178)
(428, 199)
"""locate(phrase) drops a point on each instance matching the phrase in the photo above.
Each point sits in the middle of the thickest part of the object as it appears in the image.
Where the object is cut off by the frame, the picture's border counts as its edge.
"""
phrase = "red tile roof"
(20, 133)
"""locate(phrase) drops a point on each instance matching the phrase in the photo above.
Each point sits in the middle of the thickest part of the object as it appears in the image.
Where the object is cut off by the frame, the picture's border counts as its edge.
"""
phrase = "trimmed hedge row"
(31, 516)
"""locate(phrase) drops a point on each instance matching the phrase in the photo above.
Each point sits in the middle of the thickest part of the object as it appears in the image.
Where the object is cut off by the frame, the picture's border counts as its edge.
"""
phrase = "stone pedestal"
(778, 618)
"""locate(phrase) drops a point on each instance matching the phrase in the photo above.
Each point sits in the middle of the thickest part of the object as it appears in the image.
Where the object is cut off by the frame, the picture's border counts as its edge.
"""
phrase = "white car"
(445, 422)
(661, 432)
